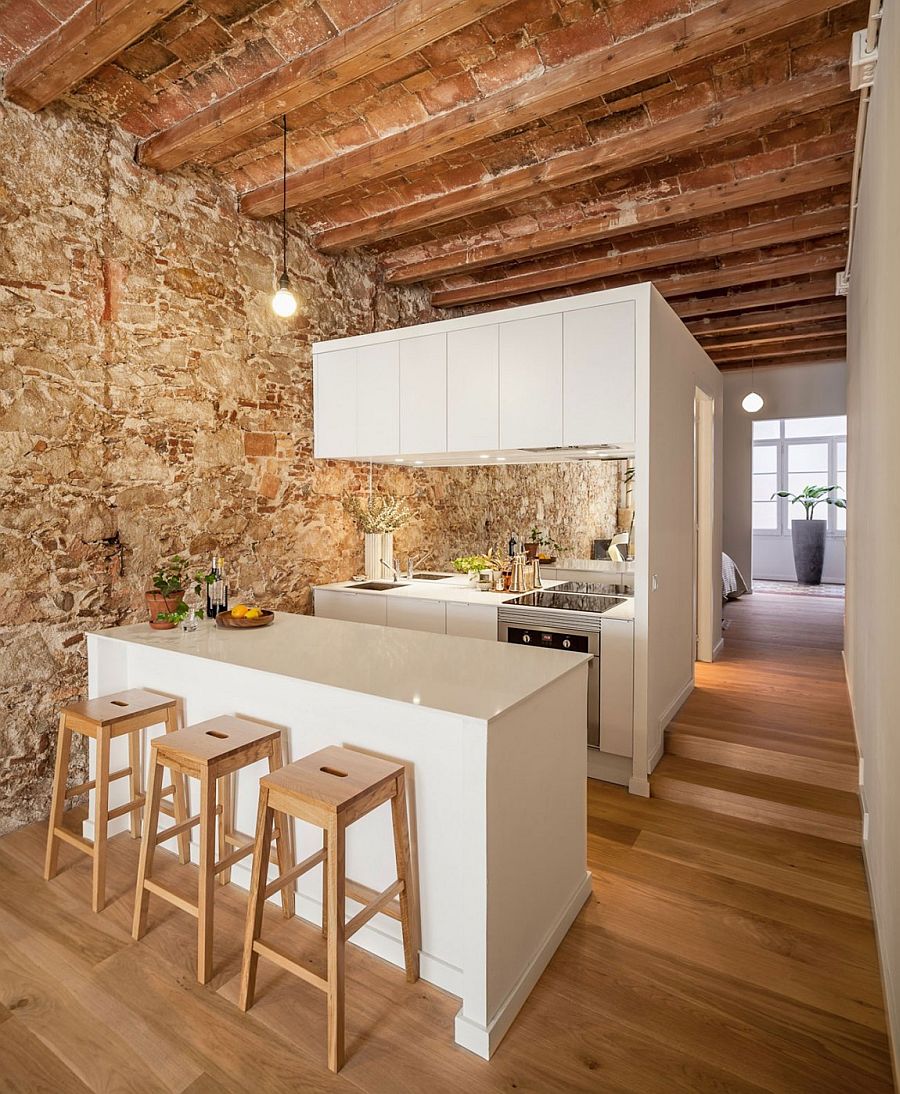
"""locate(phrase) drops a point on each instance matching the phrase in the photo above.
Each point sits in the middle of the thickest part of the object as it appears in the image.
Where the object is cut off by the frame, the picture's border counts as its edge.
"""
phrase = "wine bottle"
(223, 586)
(212, 607)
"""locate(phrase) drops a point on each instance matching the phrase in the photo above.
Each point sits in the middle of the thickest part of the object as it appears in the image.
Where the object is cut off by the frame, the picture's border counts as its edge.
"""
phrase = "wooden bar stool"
(104, 719)
(211, 752)
(331, 789)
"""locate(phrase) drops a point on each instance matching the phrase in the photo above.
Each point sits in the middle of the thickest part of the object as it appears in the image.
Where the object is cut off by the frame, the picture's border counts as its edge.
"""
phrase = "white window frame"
(782, 443)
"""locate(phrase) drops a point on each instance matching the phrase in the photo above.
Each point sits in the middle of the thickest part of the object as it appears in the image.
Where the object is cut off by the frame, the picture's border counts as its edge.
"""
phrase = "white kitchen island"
(493, 739)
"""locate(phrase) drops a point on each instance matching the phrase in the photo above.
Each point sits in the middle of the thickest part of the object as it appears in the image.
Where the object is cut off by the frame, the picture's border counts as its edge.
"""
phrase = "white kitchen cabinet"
(351, 607)
(423, 394)
(334, 403)
(598, 375)
(531, 375)
(378, 399)
(416, 615)
(617, 686)
(472, 621)
(473, 389)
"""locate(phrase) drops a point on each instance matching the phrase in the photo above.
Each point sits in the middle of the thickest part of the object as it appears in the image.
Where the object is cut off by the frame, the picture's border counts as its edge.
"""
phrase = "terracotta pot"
(531, 550)
(159, 602)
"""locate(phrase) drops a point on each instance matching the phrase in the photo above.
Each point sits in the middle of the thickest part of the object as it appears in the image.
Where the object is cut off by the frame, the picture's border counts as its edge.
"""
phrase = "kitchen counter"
(492, 736)
(453, 590)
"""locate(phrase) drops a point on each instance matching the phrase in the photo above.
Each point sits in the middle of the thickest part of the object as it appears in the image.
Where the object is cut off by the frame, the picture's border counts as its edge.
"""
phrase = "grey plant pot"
(808, 538)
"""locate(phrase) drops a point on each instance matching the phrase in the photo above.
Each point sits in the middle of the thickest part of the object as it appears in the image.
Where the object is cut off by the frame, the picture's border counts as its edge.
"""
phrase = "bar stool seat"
(104, 719)
(331, 789)
(211, 752)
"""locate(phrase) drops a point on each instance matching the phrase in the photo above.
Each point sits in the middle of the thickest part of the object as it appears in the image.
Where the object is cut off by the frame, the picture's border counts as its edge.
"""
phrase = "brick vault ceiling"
(511, 151)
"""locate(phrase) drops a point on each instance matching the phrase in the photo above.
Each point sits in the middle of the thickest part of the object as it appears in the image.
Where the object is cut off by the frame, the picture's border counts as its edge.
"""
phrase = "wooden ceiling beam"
(821, 222)
(719, 26)
(775, 337)
(630, 216)
(746, 300)
(401, 29)
(96, 33)
(810, 348)
(764, 320)
(694, 129)
(806, 358)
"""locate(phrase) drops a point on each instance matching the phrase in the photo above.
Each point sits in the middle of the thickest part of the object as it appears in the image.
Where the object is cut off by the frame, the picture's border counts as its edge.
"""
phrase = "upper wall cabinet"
(531, 382)
(334, 403)
(378, 399)
(473, 389)
(598, 374)
(423, 394)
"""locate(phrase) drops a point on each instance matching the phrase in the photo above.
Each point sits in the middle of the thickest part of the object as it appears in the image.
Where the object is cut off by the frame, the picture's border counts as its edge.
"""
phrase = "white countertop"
(625, 610)
(465, 676)
(454, 589)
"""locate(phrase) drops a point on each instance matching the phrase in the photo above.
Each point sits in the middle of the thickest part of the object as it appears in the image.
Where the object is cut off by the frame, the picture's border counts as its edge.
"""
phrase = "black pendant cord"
(284, 198)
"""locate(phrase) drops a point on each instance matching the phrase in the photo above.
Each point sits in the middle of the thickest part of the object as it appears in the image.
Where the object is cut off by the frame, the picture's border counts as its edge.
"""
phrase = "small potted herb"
(165, 601)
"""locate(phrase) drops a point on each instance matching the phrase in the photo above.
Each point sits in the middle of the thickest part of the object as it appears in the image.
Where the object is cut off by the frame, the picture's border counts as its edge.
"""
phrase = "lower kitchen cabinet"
(472, 621)
(617, 686)
(351, 607)
(417, 615)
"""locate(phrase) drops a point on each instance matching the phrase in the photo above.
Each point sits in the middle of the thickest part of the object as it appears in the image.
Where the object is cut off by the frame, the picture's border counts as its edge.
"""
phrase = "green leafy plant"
(811, 496)
(466, 564)
(174, 574)
(180, 613)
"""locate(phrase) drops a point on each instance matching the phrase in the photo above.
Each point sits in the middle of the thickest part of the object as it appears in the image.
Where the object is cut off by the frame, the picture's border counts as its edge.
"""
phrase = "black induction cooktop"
(566, 601)
(590, 587)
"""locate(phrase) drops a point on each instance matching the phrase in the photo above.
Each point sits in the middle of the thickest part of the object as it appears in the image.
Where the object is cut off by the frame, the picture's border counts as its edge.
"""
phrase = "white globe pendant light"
(284, 303)
(752, 402)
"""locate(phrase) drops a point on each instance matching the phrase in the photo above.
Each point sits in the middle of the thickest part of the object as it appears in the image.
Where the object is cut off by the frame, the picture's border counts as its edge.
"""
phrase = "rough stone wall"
(151, 403)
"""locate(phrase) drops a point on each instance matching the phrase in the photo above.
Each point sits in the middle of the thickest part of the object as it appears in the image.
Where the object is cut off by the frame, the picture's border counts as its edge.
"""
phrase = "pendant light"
(284, 303)
(752, 402)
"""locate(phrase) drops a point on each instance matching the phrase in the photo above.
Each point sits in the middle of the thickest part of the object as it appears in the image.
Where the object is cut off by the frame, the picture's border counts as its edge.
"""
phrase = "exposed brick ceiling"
(543, 147)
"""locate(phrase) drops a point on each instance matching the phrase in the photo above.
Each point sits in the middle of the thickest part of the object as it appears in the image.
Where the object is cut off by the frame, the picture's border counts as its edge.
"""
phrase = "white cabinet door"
(473, 389)
(378, 399)
(423, 394)
(334, 403)
(416, 615)
(598, 375)
(616, 686)
(351, 607)
(531, 382)
(472, 621)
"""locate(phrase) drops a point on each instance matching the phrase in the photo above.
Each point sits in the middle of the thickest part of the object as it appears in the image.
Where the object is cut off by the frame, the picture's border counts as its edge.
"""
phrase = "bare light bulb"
(752, 402)
(284, 303)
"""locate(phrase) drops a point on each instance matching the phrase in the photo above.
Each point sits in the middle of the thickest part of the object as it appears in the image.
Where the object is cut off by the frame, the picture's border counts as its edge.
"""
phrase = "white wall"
(678, 367)
(792, 391)
(873, 544)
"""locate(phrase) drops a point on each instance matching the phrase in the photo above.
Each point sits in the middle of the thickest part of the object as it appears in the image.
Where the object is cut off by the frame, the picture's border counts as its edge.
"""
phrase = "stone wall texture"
(151, 403)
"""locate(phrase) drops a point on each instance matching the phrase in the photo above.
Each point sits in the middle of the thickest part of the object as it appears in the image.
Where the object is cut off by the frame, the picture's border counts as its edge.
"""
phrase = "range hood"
(580, 451)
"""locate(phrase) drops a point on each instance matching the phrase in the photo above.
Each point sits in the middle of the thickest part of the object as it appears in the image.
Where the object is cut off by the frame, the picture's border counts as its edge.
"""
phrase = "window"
(788, 454)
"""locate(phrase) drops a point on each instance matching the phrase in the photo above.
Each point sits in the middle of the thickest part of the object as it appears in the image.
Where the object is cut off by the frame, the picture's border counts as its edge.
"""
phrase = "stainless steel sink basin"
(379, 586)
(431, 577)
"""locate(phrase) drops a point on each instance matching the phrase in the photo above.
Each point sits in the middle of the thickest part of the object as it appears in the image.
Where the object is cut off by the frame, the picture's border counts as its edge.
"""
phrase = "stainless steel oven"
(557, 637)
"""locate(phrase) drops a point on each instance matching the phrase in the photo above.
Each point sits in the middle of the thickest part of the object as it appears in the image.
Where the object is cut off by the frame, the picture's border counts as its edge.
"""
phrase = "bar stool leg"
(257, 900)
(335, 942)
(409, 917)
(134, 781)
(181, 813)
(148, 847)
(207, 875)
(226, 822)
(283, 840)
(325, 884)
(101, 820)
(58, 800)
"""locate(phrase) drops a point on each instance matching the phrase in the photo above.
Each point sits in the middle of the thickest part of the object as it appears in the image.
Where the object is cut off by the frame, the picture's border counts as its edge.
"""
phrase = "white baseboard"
(483, 1040)
(639, 787)
(672, 709)
(718, 647)
(607, 767)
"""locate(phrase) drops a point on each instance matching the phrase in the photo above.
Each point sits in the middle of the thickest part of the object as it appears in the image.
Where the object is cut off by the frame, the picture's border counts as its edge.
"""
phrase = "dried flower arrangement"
(380, 513)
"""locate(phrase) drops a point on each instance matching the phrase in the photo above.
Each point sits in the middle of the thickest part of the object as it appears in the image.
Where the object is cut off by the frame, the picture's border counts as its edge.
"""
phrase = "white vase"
(387, 552)
(373, 556)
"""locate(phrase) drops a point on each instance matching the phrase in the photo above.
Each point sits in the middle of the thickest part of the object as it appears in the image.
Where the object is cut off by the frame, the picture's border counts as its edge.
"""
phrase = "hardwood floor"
(715, 955)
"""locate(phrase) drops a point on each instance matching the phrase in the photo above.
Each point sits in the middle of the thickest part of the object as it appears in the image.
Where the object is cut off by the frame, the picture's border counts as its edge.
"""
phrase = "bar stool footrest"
(235, 856)
(74, 840)
(83, 788)
(302, 868)
(382, 900)
(128, 807)
(173, 898)
(287, 963)
(362, 894)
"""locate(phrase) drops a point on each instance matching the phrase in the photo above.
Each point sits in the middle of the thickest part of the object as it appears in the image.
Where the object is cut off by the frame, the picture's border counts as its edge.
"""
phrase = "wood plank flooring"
(715, 955)
(767, 734)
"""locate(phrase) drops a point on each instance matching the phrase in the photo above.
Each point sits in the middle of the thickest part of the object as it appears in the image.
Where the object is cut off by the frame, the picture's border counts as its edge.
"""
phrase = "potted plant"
(165, 601)
(378, 518)
(808, 536)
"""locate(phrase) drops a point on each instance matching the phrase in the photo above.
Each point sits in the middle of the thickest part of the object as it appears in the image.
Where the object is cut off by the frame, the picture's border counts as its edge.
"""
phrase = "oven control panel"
(549, 640)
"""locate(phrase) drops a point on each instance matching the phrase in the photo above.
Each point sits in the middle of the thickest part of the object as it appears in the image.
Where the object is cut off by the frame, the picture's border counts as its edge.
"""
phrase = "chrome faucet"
(411, 563)
(393, 569)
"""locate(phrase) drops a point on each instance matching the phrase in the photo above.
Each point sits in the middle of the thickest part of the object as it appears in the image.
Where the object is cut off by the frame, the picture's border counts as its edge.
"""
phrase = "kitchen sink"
(431, 577)
(379, 586)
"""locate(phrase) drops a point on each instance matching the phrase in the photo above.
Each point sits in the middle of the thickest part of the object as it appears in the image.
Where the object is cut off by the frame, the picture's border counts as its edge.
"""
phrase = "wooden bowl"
(226, 619)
